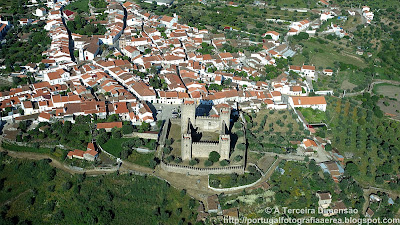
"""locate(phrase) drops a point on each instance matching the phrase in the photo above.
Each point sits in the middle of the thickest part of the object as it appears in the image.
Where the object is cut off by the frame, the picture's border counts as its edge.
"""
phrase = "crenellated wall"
(201, 171)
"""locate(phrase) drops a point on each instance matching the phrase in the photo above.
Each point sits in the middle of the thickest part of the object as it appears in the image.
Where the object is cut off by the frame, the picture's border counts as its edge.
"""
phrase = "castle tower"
(186, 146)
(188, 113)
(225, 146)
(225, 117)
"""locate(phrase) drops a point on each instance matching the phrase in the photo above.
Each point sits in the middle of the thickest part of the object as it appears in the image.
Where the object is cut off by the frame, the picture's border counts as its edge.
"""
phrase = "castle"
(192, 125)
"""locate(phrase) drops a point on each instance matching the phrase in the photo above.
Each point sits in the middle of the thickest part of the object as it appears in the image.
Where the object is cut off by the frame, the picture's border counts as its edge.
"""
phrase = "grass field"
(141, 159)
(389, 90)
(81, 5)
(324, 55)
(233, 180)
(113, 146)
(352, 77)
(313, 116)
(294, 3)
(175, 134)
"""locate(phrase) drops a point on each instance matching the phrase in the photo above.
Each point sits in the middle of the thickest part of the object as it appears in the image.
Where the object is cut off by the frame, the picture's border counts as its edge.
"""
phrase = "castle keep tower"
(225, 116)
(186, 146)
(188, 114)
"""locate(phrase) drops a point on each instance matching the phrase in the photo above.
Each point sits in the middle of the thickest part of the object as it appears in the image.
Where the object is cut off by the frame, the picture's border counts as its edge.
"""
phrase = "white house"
(130, 51)
(328, 72)
(274, 35)
(326, 16)
(40, 12)
(25, 21)
(324, 199)
(308, 71)
(57, 77)
(314, 102)
(168, 21)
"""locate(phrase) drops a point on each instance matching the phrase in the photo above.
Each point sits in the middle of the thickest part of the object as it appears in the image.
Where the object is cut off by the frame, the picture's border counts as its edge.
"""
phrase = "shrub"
(224, 162)
(167, 150)
(178, 160)
(193, 162)
(208, 163)
(238, 158)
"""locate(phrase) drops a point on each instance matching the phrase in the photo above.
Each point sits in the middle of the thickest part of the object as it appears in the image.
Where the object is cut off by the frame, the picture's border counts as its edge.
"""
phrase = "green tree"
(328, 147)
(351, 169)
(127, 129)
(214, 156)
(224, 162)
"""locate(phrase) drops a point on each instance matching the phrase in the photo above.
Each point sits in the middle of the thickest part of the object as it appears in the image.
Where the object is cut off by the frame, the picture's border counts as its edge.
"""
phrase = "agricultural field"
(366, 138)
(270, 130)
(389, 100)
(387, 90)
(32, 192)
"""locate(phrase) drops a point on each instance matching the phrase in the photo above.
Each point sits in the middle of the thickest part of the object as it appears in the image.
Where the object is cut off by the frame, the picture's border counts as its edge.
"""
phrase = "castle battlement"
(205, 143)
(207, 118)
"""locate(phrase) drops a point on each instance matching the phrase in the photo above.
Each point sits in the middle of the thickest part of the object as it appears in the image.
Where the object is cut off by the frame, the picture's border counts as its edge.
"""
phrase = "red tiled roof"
(109, 125)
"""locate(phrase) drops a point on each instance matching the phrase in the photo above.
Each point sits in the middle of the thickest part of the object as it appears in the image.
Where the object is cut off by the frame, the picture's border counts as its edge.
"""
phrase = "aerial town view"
(196, 112)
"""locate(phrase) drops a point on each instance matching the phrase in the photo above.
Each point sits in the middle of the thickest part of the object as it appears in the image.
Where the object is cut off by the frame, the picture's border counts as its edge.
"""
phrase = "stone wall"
(153, 136)
(203, 149)
(201, 171)
(206, 123)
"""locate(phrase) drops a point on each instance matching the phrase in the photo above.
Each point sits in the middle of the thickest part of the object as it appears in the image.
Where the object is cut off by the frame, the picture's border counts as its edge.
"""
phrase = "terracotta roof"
(298, 68)
(272, 32)
(76, 152)
(296, 88)
(307, 67)
(314, 100)
(45, 115)
(109, 125)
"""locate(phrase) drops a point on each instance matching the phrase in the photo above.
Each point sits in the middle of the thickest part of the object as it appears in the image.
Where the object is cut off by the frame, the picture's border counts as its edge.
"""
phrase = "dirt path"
(54, 162)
